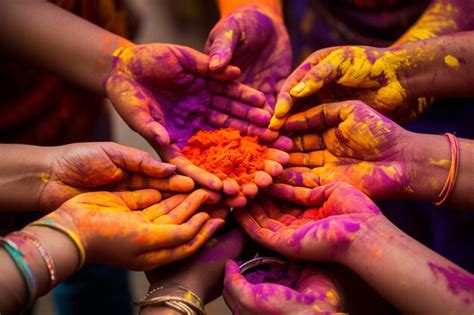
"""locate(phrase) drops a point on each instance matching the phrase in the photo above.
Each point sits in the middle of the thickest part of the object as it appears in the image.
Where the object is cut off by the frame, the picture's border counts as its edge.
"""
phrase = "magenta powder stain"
(274, 273)
(458, 280)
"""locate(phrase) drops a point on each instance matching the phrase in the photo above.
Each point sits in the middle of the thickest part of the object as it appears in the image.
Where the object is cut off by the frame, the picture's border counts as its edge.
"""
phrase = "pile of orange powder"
(226, 154)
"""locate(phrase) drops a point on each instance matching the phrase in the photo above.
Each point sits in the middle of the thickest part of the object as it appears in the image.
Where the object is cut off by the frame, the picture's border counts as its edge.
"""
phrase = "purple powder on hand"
(274, 273)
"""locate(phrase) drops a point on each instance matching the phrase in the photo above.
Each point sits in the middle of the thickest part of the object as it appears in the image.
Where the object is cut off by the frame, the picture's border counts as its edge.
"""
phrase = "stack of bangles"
(175, 296)
(453, 170)
(15, 240)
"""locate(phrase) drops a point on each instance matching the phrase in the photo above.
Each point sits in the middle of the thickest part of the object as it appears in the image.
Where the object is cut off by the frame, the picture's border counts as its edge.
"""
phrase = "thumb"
(221, 44)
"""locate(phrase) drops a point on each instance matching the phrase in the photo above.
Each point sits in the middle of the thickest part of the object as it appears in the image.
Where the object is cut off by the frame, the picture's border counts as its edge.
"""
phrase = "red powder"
(226, 153)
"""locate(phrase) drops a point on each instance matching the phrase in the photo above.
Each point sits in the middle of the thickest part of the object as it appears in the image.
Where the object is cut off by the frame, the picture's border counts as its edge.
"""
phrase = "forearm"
(439, 67)
(441, 17)
(24, 171)
(429, 159)
(12, 286)
(227, 6)
(43, 34)
(409, 275)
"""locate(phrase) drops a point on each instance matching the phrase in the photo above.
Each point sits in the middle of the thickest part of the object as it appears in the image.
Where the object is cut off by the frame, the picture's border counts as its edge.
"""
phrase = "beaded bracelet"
(19, 260)
(31, 238)
(453, 170)
(73, 236)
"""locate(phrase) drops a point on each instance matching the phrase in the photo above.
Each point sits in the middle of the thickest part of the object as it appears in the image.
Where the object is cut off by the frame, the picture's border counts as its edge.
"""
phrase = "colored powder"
(451, 61)
(226, 154)
(274, 273)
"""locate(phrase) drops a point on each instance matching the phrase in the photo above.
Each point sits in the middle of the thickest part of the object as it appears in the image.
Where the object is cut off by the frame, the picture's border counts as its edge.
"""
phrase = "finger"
(139, 199)
(254, 230)
(262, 179)
(132, 102)
(250, 190)
(195, 62)
(282, 143)
(304, 196)
(186, 167)
(238, 91)
(272, 168)
(322, 73)
(176, 183)
(230, 186)
(158, 236)
(278, 156)
(270, 207)
(240, 110)
(238, 201)
(311, 159)
(234, 281)
(308, 142)
(217, 211)
(162, 208)
(221, 44)
(295, 177)
(185, 209)
(261, 217)
(221, 120)
(168, 255)
(321, 117)
(137, 160)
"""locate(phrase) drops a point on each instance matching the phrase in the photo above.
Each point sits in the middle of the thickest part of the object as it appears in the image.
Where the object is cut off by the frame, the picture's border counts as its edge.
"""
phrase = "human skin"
(145, 83)
(42, 178)
(389, 79)
(252, 36)
(351, 142)
(315, 292)
(130, 229)
(338, 223)
(211, 257)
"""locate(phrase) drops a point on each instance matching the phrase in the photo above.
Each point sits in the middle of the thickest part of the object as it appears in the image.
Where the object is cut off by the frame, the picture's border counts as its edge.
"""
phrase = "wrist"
(273, 7)
(428, 161)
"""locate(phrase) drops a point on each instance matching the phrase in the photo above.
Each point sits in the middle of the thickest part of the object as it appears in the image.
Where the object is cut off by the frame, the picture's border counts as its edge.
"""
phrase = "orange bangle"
(453, 170)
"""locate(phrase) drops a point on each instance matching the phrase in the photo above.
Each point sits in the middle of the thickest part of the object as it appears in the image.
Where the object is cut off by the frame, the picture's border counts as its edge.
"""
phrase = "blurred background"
(184, 22)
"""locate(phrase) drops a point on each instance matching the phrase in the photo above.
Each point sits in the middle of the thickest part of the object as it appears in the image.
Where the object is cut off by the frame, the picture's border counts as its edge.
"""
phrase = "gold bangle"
(73, 236)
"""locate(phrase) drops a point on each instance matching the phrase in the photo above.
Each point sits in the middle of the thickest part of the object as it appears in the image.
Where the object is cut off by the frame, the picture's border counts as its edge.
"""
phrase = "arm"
(441, 17)
(411, 276)
(41, 33)
(42, 178)
(225, 7)
(129, 229)
(439, 67)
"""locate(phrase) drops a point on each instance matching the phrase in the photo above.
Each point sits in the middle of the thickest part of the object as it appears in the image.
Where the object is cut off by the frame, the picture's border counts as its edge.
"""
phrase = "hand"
(135, 230)
(166, 93)
(82, 167)
(319, 224)
(375, 76)
(211, 258)
(253, 38)
(314, 292)
(350, 142)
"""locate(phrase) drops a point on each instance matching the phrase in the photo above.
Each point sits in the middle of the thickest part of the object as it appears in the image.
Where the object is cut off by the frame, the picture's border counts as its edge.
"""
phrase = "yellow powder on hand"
(451, 61)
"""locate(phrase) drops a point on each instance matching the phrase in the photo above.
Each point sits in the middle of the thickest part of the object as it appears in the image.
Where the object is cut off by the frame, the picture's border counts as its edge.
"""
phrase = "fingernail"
(298, 88)
(276, 123)
(215, 61)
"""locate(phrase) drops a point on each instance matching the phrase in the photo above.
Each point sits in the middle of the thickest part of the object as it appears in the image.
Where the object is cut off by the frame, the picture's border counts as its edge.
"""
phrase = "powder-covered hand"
(314, 292)
(350, 142)
(319, 224)
(166, 93)
(203, 272)
(253, 38)
(83, 167)
(134, 230)
(374, 75)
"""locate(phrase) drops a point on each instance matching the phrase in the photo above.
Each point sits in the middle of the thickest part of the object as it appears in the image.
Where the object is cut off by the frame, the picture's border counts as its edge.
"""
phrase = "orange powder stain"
(226, 154)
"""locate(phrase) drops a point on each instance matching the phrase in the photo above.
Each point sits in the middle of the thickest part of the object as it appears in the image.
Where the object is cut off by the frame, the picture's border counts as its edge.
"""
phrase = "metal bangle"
(258, 261)
(163, 300)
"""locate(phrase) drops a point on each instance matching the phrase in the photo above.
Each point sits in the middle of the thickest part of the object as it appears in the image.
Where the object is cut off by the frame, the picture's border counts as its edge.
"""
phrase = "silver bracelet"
(189, 303)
